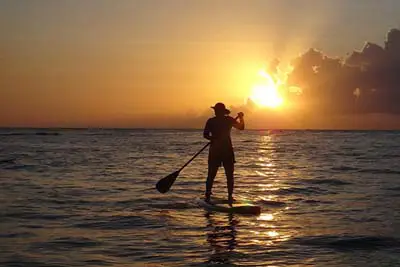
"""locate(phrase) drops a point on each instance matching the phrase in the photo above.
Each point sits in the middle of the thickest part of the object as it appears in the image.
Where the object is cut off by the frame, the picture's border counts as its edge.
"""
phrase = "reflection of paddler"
(222, 238)
(218, 131)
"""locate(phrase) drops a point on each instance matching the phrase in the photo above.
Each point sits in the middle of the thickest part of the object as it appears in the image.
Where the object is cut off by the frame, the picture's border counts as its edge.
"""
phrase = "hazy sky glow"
(156, 63)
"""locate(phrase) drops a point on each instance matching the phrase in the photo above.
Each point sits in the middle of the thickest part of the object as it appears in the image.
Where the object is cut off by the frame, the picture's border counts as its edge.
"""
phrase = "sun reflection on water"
(270, 227)
(266, 217)
(221, 237)
(272, 233)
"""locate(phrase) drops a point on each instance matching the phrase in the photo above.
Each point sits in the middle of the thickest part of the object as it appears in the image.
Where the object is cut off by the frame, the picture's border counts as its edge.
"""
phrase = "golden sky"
(141, 63)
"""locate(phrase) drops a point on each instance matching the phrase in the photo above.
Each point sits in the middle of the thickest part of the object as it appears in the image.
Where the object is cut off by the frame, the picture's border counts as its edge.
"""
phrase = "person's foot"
(230, 200)
(207, 198)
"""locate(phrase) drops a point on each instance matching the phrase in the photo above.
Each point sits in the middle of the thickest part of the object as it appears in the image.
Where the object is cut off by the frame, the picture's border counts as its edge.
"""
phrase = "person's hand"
(240, 114)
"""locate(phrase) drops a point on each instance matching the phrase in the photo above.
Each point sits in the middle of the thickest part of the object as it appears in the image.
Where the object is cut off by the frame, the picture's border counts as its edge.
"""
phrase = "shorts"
(219, 157)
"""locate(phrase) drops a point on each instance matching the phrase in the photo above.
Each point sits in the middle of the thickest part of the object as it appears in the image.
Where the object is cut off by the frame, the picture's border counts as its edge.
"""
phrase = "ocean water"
(88, 198)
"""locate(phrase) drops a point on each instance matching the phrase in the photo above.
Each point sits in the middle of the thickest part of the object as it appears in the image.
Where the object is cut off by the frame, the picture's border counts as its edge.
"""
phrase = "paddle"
(165, 183)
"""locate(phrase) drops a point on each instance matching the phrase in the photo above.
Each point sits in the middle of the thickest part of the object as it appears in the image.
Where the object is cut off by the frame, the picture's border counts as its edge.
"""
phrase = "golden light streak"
(266, 93)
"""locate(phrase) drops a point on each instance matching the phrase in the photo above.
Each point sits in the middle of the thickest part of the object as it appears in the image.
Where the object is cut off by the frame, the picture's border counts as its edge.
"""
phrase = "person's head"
(220, 109)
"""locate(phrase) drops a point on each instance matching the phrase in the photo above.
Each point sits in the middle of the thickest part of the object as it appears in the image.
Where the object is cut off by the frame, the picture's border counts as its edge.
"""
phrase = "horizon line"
(192, 129)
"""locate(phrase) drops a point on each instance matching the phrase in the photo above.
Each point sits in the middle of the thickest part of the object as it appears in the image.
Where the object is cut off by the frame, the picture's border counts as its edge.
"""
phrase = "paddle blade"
(165, 183)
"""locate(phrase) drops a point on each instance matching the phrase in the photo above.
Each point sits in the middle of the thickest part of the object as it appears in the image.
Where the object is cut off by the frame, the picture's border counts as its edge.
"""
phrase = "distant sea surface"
(88, 198)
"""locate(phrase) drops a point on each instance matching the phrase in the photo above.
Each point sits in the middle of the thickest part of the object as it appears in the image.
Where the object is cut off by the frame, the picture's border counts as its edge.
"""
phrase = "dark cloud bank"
(366, 81)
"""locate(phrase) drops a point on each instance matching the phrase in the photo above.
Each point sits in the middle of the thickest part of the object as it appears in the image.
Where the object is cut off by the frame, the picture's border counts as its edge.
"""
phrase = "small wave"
(344, 168)
(298, 190)
(117, 223)
(362, 219)
(8, 161)
(138, 201)
(57, 198)
(17, 235)
(351, 154)
(314, 201)
(66, 243)
(16, 166)
(175, 205)
(31, 134)
(271, 203)
(35, 216)
(97, 262)
(33, 225)
(349, 242)
(329, 182)
(45, 133)
(390, 156)
(98, 134)
(397, 188)
(17, 261)
(379, 171)
(394, 192)
(188, 183)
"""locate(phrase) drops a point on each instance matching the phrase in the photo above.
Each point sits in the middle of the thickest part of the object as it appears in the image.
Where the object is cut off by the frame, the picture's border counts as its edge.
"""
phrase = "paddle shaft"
(187, 163)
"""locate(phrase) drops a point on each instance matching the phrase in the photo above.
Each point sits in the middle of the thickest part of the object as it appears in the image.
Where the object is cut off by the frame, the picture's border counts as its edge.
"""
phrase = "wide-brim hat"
(221, 107)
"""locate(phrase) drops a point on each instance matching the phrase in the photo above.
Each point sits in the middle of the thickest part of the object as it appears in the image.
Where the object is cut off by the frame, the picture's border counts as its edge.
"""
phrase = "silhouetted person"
(218, 131)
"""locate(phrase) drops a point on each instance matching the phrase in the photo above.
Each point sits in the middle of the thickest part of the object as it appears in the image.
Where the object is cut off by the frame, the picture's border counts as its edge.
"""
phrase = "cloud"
(365, 82)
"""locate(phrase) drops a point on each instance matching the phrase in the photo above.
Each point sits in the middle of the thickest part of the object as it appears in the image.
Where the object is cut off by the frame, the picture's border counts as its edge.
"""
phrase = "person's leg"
(212, 172)
(229, 169)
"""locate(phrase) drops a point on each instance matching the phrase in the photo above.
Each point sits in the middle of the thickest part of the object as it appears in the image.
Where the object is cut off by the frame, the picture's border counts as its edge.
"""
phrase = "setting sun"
(266, 93)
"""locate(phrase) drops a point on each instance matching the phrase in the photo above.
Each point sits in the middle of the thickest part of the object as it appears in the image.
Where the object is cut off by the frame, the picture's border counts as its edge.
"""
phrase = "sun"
(266, 96)
(266, 92)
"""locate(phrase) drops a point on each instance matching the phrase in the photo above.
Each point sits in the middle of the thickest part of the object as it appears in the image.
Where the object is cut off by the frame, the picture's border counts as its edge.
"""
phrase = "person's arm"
(239, 124)
(207, 131)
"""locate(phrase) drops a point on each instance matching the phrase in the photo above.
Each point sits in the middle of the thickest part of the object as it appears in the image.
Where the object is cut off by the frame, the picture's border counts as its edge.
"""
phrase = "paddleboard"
(236, 208)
